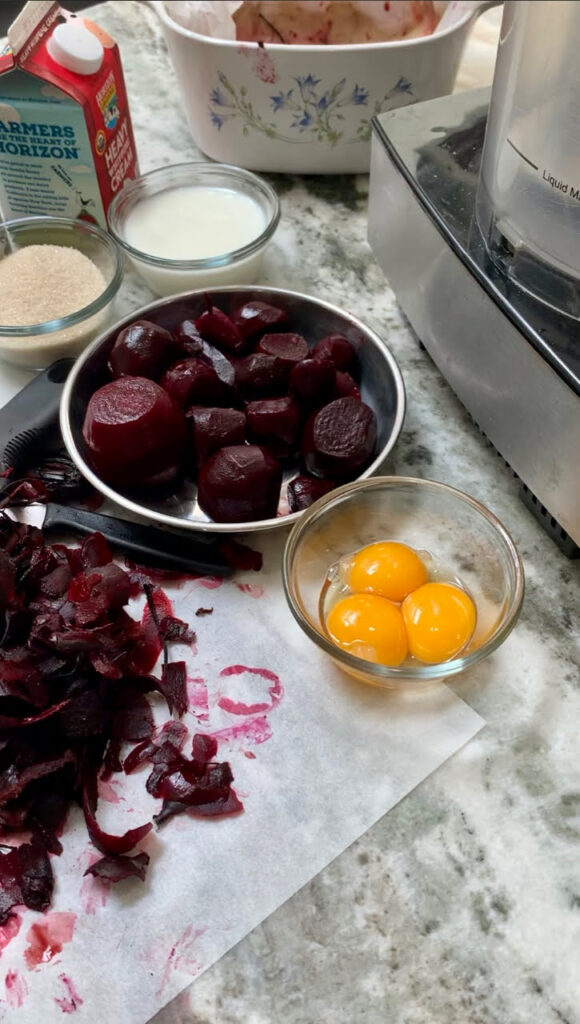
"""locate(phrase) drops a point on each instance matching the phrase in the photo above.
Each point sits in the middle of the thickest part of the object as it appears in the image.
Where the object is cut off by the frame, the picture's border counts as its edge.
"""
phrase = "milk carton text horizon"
(66, 140)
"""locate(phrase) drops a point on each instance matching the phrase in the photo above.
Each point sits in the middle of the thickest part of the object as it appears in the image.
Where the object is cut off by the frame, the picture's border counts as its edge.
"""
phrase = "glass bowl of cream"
(195, 225)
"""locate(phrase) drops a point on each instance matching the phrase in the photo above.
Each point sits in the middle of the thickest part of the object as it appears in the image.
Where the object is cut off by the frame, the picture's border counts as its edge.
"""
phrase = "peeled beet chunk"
(303, 491)
(193, 382)
(261, 376)
(341, 351)
(134, 432)
(217, 327)
(239, 484)
(312, 381)
(275, 422)
(289, 348)
(215, 428)
(142, 350)
(339, 439)
(346, 386)
(189, 338)
(192, 342)
(254, 318)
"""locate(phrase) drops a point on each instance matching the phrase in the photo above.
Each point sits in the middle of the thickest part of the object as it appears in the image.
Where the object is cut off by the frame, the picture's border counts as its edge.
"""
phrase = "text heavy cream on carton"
(66, 141)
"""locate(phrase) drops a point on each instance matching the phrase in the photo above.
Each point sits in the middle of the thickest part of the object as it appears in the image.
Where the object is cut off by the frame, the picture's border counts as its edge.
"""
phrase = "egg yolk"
(387, 568)
(369, 627)
(440, 619)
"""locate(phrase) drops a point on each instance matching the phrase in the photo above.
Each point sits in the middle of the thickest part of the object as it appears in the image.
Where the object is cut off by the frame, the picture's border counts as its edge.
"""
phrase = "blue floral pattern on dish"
(309, 109)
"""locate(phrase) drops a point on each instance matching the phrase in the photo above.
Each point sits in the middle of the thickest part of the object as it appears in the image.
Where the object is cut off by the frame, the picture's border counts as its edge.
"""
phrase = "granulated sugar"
(45, 282)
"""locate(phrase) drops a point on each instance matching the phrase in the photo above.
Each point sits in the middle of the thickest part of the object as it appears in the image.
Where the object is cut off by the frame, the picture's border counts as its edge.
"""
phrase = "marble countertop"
(462, 905)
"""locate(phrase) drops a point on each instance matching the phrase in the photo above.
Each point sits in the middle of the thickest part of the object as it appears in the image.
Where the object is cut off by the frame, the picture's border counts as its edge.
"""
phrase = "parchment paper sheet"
(314, 772)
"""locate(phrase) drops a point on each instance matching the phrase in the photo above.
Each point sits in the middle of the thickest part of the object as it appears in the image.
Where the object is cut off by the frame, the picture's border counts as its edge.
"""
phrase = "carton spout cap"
(73, 47)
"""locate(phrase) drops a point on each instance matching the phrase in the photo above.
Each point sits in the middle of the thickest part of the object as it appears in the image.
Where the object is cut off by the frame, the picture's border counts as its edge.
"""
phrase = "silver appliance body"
(528, 199)
(513, 363)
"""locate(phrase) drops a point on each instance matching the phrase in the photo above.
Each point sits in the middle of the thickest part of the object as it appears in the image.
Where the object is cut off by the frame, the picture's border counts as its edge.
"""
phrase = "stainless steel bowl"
(381, 387)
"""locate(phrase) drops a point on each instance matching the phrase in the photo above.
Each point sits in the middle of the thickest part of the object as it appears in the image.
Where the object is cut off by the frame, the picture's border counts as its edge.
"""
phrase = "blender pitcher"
(528, 200)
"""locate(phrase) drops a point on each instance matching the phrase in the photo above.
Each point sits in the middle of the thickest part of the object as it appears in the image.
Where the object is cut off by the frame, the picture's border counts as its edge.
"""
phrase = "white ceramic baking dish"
(304, 109)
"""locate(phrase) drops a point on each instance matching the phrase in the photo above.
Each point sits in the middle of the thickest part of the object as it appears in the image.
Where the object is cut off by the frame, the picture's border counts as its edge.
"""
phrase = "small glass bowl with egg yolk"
(424, 580)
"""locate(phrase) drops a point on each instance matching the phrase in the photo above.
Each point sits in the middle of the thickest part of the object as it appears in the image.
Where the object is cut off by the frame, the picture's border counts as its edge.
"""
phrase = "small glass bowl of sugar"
(58, 282)
(195, 225)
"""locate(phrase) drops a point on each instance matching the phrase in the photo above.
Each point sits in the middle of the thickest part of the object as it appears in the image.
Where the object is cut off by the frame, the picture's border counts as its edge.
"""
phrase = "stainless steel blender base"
(524, 398)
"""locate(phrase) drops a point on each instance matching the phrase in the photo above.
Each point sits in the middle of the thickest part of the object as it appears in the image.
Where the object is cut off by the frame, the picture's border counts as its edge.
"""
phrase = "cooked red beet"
(312, 380)
(303, 491)
(275, 422)
(240, 483)
(134, 432)
(261, 376)
(217, 327)
(339, 439)
(346, 387)
(189, 338)
(142, 350)
(193, 343)
(288, 348)
(254, 318)
(341, 351)
(214, 428)
(193, 382)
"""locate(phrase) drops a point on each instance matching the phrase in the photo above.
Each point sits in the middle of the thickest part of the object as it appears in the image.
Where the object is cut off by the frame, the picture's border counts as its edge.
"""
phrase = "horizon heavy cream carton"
(66, 140)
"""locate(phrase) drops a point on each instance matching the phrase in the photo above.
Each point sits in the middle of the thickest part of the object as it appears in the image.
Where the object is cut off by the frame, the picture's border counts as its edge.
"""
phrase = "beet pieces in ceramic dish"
(232, 402)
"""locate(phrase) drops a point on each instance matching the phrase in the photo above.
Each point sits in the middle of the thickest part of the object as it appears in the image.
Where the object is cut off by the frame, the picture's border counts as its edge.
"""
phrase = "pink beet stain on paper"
(9, 930)
(198, 697)
(71, 1001)
(181, 956)
(209, 582)
(256, 730)
(239, 707)
(16, 989)
(47, 937)
(252, 589)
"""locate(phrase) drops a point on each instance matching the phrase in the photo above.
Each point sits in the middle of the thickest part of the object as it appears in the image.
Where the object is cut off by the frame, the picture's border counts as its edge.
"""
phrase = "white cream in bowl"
(196, 225)
(194, 222)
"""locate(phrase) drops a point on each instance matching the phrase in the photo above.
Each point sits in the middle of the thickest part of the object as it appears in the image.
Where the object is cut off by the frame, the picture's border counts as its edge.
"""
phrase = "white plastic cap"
(73, 47)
